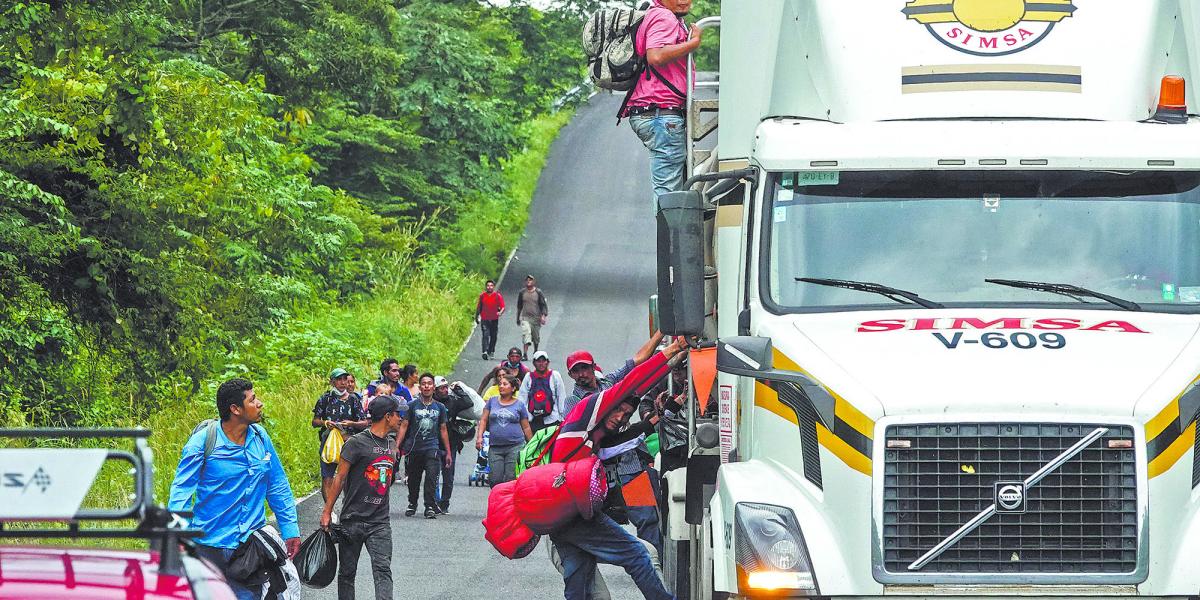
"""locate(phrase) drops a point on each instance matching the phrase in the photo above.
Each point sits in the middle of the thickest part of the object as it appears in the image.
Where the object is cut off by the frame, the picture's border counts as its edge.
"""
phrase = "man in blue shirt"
(230, 484)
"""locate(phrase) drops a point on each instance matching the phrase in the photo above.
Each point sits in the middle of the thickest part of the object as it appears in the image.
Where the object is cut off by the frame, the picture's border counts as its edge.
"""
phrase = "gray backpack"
(608, 36)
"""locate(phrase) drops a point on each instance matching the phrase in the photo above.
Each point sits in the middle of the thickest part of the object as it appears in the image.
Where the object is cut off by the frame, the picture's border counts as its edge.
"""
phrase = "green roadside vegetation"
(192, 190)
(422, 317)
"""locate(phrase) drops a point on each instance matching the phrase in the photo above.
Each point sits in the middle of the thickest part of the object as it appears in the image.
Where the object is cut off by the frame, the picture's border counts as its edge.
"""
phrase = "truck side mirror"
(749, 356)
(1189, 405)
(680, 222)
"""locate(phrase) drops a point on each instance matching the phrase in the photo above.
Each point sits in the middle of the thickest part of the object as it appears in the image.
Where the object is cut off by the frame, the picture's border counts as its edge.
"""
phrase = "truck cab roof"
(862, 61)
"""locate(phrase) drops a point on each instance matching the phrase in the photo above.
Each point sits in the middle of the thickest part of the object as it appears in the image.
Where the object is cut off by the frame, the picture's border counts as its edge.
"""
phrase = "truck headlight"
(770, 551)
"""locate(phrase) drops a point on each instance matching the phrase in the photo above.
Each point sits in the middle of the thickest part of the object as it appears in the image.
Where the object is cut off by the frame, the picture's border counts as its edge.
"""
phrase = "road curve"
(590, 243)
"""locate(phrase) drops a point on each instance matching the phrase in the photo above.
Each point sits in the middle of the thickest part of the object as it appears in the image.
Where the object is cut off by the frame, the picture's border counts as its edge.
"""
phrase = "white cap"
(439, 381)
(541, 354)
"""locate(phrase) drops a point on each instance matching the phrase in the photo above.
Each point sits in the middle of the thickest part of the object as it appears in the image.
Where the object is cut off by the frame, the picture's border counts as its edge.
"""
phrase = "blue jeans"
(219, 557)
(665, 136)
(584, 542)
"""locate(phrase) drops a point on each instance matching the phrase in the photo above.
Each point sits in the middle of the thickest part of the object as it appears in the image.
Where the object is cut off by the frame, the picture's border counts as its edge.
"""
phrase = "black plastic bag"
(317, 560)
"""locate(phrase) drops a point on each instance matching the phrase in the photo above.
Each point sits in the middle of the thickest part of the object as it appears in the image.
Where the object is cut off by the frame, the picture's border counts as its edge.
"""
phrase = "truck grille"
(1080, 519)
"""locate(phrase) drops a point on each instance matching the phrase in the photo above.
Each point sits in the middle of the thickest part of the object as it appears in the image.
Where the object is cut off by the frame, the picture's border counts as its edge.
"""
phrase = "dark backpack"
(541, 394)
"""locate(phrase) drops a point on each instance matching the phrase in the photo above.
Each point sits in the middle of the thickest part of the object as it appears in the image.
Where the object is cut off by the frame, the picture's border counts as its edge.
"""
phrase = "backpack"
(541, 394)
(608, 43)
(533, 448)
(210, 438)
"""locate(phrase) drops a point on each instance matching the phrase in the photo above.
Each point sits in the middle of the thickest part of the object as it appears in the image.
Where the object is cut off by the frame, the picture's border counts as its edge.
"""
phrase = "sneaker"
(411, 510)
(445, 510)
(430, 512)
(483, 356)
(439, 509)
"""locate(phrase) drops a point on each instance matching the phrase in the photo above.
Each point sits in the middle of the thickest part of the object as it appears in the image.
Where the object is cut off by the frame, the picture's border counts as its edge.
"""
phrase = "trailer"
(948, 254)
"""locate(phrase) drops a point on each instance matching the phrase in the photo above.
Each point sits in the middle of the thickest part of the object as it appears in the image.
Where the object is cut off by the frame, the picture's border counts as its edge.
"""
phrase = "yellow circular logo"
(989, 15)
(989, 27)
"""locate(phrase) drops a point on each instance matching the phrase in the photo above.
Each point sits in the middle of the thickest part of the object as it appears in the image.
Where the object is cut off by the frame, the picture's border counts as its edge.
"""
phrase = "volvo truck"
(948, 254)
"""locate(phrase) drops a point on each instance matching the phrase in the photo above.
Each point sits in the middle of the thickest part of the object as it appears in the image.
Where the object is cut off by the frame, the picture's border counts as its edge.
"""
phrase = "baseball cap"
(338, 372)
(439, 381)
(540, 354)
(382, 405)
(579, 357)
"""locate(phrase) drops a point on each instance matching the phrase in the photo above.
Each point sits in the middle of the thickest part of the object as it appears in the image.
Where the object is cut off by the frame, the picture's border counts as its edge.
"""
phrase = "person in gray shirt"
(532, 312)
(506, 419)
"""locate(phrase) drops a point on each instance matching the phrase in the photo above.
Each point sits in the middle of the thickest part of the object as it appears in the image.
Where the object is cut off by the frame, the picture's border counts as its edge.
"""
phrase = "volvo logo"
(1010, 496)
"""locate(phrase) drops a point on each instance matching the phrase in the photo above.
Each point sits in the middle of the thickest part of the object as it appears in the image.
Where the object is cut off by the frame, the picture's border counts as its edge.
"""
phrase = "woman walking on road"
(507, 420)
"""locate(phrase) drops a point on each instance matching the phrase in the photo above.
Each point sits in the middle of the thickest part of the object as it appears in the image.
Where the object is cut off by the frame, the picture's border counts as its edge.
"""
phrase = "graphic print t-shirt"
(424, 427)
(504, 422)
(372, 467)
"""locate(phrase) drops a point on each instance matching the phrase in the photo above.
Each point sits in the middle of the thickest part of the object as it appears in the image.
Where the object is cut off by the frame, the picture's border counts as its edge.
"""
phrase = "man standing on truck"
(658, 102)
(229, 496)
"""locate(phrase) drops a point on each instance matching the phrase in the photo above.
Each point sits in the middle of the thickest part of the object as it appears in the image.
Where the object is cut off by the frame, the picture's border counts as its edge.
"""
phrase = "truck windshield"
(939, 234)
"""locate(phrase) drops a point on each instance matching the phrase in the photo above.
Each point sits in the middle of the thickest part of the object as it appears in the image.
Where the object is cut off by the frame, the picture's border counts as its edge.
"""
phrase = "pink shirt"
(660, 28)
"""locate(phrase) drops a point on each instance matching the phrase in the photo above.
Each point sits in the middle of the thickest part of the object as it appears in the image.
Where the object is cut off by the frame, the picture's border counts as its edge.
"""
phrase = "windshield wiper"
(1067, 289)
(901, 296)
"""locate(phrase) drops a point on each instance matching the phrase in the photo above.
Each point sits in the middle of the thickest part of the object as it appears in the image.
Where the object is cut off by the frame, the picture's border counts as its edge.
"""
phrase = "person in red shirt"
(487, 313)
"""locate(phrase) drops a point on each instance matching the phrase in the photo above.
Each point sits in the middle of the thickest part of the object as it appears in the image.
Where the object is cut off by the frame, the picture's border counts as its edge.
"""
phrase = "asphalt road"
(590, 243)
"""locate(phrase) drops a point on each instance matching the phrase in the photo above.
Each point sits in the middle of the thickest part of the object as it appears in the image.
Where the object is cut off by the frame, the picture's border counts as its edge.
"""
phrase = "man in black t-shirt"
(366, 470)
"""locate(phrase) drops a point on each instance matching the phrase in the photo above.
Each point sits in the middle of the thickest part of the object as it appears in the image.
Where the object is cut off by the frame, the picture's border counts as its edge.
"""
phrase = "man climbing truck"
(948, 252)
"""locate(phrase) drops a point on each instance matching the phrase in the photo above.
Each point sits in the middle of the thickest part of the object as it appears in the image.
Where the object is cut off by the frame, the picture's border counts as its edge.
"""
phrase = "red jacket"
(488, 307)
(583, 425)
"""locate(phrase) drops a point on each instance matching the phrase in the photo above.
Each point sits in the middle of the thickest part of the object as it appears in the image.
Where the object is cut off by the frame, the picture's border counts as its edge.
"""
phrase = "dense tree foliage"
(177, 176)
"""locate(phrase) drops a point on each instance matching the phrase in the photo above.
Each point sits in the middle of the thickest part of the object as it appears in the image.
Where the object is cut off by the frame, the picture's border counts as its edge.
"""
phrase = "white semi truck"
(949, 254)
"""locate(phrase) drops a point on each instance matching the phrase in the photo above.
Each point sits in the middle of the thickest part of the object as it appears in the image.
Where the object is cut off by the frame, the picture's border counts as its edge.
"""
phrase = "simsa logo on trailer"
(989, 27)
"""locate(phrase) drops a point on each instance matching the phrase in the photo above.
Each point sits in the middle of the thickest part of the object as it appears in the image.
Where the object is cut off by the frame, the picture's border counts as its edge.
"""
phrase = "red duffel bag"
(547, 497)
(501, 526)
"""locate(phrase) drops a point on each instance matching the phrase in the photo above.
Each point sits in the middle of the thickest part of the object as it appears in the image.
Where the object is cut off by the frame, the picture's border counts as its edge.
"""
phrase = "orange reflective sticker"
(704, 373)
(638, 491)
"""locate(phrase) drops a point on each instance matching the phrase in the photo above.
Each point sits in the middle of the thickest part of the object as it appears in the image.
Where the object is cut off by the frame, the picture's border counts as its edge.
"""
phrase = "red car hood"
(85, 573)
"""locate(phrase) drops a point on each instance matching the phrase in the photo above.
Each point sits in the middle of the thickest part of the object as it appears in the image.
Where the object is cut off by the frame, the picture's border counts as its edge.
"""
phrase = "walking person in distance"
(488, 310)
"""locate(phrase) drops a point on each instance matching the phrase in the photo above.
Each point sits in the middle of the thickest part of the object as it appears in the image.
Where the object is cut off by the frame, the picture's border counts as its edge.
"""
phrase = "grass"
(420, 316)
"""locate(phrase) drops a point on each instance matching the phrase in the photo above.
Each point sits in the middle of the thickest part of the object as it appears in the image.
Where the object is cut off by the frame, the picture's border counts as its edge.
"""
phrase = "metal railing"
(697, 130)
